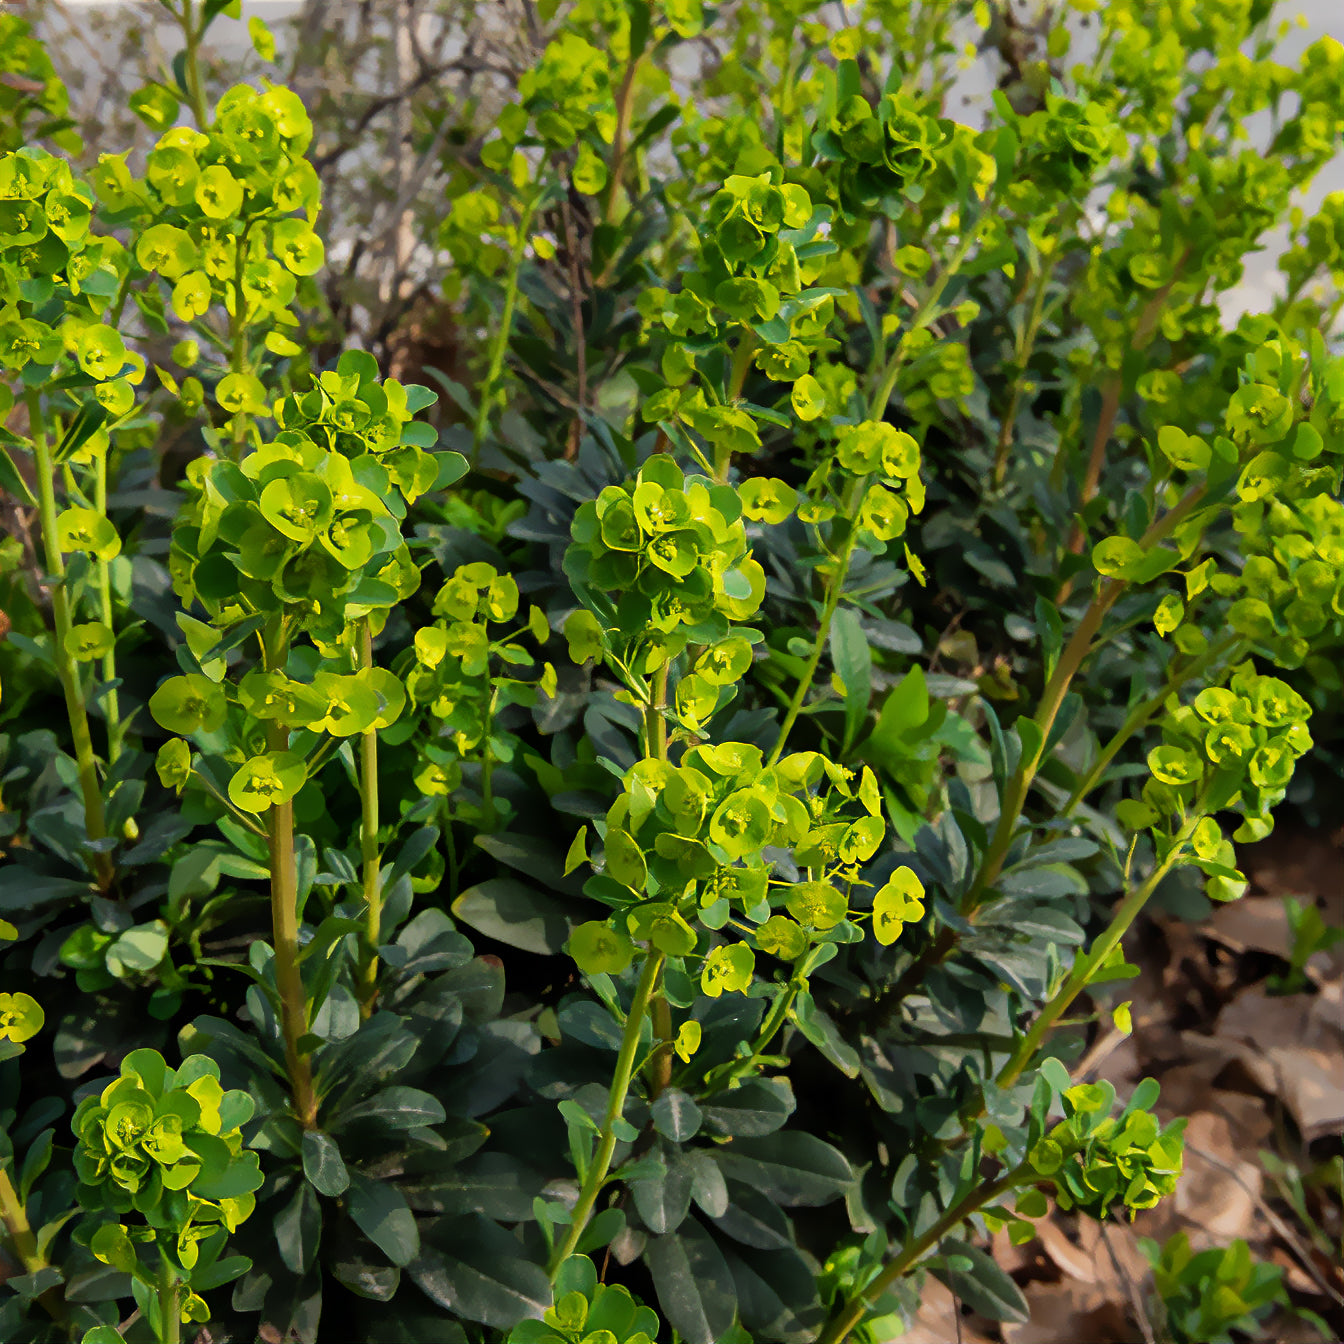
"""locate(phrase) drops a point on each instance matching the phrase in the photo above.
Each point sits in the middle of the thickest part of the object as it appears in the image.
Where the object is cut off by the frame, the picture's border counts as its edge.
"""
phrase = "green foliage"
(166, 1145)
(658, 804)
(1209, 1294)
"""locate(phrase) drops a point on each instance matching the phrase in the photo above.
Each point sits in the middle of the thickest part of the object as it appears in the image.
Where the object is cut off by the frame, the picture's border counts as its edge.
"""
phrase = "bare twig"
(1277, 1223)
(1099, 1053)
(1135, 1297)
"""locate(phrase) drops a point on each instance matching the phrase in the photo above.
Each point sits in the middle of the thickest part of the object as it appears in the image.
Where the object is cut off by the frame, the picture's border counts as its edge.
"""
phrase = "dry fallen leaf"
(1298, 862)
(1069, 1311)
(1259, 922)
(1217, 1207)
(1290, 1048)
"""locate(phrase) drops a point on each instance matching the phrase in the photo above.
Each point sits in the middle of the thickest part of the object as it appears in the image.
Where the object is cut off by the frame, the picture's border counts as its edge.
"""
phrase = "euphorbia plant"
(883, 578)
(299, 537)
(165, 1144)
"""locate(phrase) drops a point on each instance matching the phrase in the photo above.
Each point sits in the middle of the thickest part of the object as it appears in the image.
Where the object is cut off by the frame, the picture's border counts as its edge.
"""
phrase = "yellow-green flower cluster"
(1235, 747)
(310, 523)
(232, 207)
(56, 277)
(1096, 1159)
(166, 1143)
(688, 844)
(664, 563)
(452, 673)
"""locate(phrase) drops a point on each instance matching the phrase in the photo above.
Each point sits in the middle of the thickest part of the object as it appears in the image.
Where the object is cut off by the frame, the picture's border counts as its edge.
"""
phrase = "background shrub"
(609, 690)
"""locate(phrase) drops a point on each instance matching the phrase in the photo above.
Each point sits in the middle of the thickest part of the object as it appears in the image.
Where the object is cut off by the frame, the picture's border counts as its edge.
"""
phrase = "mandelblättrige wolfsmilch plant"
(661, 822)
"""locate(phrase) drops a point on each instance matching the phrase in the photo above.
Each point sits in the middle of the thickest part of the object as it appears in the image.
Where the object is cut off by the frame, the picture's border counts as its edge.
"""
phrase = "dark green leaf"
(379, 1211)
(514, 914)
(475, 1270)
(984, 1287)
(397, 1107)
(759, 1106)
(754, 1219)
(298, 1229)
(663, 1197)
(791, 1167)
(854, 663)
(675, 1115)
(694, 1284)
(819, 1028)
(495, 1184)
(323, 1164)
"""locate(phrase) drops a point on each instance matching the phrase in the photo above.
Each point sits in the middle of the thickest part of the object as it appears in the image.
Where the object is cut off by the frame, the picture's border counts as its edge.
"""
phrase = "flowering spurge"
(663, 566)
(166, 1144)
(225, 215)
(456, 676)
(872, 481)
(58, 280)
(1234, 748)
(686, 845)
(21, 1018)
(1096, 1159)
(308, 525)
(57, 277)
(877, 157)
(305, 530)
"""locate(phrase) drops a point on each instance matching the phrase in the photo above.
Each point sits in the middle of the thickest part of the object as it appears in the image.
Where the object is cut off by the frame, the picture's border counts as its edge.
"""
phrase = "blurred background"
(394, 85)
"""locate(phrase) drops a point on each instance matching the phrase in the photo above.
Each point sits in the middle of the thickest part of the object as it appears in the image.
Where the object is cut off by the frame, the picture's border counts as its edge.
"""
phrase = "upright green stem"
(737, 377)
(24, 1243)
(854, 493)
(191, 61)
(658, 1071)
(1025, 344)
(877, 408)
(285, 913)
(838, 1330)
(741, 1068)
(499, 344)
(1015, 792)
(1086, 968)
(624, 100)
(620, 1088)
(1139, 716)
(238, 335)
(95, 817)
(854, 496)
(491, 818)
(368, 794)
(1076, 651)
(111, 707)
(169, 1311)
(655, 720)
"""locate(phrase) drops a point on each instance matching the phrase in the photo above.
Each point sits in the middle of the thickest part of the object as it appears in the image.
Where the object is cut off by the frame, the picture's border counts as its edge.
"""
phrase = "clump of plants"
(632, 850)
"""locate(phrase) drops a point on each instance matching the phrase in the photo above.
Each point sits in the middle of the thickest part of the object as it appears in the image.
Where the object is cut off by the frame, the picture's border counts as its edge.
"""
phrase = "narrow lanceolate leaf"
(323, 1165)
(396, 1107)
(379, 1211)
(983, 1287)
(854, 664)
(793, 1168)
(758, 1107)
(694, 1284)
(675, 1115)
(512, 913)
(663, 1198)
(474, 1269)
